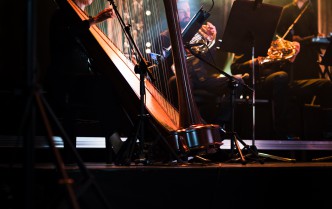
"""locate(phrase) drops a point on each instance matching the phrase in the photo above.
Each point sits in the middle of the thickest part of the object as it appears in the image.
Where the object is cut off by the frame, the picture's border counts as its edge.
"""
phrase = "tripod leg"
(252, 150)
(170, 149)
(276, 157)
(234, 142)
(79, 161)
(322, 158)
(64, 136)
(124, 156)
(243, 160)
(59, 163)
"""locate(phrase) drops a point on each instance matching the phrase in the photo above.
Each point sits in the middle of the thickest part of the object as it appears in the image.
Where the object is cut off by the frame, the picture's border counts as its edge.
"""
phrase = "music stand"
(326, 61)
(250, 27)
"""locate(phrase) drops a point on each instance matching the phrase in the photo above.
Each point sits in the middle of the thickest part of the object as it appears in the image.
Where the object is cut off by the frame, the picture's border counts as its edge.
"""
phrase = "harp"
(183, 127)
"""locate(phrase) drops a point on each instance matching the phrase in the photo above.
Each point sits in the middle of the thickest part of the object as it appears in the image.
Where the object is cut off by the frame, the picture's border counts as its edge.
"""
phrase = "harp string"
(145, 29)
(157, 47)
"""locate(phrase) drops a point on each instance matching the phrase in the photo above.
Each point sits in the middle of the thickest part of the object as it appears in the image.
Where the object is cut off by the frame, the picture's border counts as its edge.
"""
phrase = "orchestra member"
(199, 75)
(271, 81)
(300, 20)
(74, 79)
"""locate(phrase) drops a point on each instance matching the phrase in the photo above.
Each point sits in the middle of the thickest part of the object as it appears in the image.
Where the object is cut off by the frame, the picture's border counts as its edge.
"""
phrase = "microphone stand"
(235, 139)
(125, 154)
(36, 103)
(241, 34)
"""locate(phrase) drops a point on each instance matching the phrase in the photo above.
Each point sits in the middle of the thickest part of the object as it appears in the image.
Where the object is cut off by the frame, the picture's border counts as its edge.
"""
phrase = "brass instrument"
(200, 44)
(279, 50)
(192, 36)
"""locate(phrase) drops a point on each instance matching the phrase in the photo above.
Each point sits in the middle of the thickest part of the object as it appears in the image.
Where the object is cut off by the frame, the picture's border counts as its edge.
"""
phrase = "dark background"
(24, 54)
(14, 30)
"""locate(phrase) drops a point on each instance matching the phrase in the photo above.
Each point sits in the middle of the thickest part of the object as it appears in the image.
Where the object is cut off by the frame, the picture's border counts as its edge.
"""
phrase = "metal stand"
(35, 101)
(241, 35)
(132, 149)
(235, 139)
(44, 109)
(326, 61)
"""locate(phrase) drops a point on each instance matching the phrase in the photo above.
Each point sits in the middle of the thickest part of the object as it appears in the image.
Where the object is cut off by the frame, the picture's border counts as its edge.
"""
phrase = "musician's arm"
(297, 46)
(79, 27)
(101, 16)
(241, 64)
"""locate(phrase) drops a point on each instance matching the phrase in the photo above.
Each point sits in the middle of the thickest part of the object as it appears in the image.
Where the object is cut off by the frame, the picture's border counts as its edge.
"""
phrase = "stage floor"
(91, 149)
(172, 186)
(271, 183)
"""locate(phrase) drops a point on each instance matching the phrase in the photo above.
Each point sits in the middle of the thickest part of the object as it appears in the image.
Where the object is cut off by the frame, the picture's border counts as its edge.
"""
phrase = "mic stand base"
(133, 149)
(252, 151)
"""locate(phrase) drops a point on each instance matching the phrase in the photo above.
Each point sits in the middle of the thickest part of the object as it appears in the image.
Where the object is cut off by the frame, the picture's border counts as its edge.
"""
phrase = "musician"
(300, 20)
(200, 77)
(73, 79)
(271, 81)
(303, 30)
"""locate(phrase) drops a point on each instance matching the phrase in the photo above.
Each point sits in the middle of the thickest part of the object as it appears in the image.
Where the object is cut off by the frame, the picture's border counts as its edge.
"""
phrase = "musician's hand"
(297, 50)
(238, 76)
(208, 31)
(257, 61)
(102, 16)
(297, 38)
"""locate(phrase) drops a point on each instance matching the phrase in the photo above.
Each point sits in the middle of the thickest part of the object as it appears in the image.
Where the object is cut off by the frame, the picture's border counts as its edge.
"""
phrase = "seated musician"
(72, 78)
(271, 79)
(298, 22)
(199, 76)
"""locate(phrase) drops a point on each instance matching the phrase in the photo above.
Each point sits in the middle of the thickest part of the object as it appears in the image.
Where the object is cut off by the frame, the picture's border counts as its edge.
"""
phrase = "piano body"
(183, 127)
